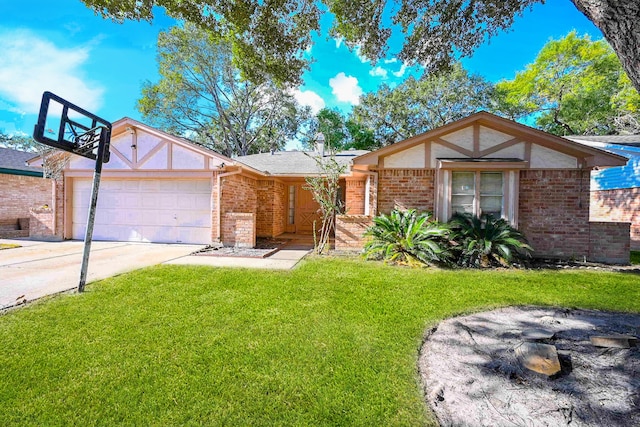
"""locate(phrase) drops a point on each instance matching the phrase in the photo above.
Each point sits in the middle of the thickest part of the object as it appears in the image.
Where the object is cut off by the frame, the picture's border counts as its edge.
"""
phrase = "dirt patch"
(472, 377)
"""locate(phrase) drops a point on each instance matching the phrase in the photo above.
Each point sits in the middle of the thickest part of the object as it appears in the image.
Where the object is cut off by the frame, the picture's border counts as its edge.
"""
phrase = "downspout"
(219, 200)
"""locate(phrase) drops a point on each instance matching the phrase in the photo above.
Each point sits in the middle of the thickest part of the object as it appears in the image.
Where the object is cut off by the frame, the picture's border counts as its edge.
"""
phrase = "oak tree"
(419, 105)
(574, 86)
(201, 95)
(269, 37)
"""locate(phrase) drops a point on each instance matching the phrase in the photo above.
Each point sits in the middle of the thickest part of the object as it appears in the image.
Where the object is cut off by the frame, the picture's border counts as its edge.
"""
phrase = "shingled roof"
(13, 162)
(294, 163)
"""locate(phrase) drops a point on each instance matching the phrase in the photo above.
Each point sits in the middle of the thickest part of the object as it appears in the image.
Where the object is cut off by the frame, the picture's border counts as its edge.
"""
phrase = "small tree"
(324, 188)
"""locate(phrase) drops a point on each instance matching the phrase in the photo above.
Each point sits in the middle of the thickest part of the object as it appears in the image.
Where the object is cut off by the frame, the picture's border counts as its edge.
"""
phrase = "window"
(292, 204)
(477, 193)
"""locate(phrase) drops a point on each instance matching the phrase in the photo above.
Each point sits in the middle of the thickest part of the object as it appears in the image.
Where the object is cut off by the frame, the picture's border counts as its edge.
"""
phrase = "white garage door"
(160, 210)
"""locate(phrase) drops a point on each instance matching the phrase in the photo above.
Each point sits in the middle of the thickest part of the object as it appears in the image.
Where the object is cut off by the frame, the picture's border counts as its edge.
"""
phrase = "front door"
(307, 211)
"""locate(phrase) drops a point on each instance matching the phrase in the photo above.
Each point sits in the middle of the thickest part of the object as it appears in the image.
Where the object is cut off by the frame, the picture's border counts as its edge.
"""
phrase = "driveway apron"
(43, 268)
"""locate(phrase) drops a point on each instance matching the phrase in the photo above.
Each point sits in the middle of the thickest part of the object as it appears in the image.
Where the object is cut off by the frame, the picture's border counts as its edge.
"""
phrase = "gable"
(484, 136)
(478, 142)
(135, 147)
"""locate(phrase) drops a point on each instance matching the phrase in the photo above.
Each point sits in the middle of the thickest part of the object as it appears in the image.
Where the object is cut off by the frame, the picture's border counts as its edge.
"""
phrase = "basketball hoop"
(77, 131)
(53, 162)
(87, 143)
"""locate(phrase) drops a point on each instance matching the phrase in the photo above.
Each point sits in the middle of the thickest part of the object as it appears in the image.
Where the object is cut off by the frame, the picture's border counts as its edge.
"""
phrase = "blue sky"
(63, 47)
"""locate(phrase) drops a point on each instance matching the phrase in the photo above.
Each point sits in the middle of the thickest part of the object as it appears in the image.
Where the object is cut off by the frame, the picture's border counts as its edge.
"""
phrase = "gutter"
(21, 172)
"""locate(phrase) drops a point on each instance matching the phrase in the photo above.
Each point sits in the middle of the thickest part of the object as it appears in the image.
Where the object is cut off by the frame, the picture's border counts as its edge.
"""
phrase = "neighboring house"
(615, 192)
(161, 188)
(486, 164)
(22, 188)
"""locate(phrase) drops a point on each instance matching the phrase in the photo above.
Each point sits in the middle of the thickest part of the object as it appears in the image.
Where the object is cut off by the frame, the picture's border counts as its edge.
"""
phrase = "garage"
(145, 210)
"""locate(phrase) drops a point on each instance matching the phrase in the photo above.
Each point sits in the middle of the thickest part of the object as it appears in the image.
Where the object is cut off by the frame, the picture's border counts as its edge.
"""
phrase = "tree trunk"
(619, 22)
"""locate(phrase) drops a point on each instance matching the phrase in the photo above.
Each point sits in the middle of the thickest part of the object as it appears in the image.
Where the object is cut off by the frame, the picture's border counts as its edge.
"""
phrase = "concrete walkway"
(40, 268)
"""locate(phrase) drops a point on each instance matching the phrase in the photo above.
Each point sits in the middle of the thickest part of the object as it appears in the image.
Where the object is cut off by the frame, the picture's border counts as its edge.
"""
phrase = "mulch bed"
(264, 248)
(555, 264)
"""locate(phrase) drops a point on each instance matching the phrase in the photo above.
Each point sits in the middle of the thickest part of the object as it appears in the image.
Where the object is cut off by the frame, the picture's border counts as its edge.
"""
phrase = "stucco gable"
(136, 146)
(484, 135)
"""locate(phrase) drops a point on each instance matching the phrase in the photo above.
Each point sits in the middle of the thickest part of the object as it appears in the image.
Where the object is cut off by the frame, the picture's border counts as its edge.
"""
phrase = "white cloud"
(31, 65)
(346, 88)
(379, 72)
(310, 99)
(338, 41)
(401, 71)
(390, 61)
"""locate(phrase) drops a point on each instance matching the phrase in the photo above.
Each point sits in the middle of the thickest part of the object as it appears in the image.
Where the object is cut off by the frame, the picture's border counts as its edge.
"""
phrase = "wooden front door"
(306, 211)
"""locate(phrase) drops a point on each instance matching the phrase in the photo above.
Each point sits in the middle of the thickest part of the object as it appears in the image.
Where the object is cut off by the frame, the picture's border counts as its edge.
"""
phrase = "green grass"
(635, 257)
(333, 342)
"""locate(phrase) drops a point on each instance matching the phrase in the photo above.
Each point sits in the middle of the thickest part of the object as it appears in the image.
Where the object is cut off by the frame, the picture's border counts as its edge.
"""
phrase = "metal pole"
(92, 209)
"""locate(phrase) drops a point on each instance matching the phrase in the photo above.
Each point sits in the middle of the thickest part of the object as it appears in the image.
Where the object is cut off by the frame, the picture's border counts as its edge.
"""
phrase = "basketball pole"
(104, 137)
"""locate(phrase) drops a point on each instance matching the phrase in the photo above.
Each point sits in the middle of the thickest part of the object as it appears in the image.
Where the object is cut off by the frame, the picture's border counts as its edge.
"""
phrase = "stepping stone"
(613, 341)
(540, 358)
(537, 334)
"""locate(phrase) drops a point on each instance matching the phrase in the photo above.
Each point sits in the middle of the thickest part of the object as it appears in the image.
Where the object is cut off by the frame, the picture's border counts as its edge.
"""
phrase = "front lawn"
(333, 342)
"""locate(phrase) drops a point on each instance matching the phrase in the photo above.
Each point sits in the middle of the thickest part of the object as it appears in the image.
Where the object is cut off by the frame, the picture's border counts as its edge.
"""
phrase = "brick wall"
(238, 196)
(409, 188)
(271, 208)
(355, 190)
(621, 205)
(21, 193)
(41, 223)
(59, 209)
(239, 229)
(554, 212)
(349, 230)
(214, 208)
(609, 242)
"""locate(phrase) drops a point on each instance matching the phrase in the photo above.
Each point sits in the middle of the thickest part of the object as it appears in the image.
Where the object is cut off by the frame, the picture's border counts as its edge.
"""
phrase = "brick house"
(159, 187)
(22, 191)
(162, 188)
(615, 192)
(486, 164)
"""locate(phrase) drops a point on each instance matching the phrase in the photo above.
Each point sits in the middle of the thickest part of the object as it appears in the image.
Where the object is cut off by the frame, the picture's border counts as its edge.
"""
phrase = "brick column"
(355, 196)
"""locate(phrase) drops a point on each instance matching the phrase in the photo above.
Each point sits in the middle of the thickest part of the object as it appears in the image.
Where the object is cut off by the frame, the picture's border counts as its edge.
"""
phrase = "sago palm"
(482, 242)
(407, 237)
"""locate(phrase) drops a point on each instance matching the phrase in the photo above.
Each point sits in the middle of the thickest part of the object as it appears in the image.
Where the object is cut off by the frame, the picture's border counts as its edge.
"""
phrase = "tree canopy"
(201, 95)
(340, 132)
(419, 105)
(574, 86)
(268, 38)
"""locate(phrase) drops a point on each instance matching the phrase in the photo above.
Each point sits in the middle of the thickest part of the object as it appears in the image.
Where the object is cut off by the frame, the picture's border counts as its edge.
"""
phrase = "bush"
(407, 237)
(485, 242)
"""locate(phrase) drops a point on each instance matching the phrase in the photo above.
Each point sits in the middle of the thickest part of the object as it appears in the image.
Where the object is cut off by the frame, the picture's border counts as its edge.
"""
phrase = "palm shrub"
(408, 237)
(486, 241)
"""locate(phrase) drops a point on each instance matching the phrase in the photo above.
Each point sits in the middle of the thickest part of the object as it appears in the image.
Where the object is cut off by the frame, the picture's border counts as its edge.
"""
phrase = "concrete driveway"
(44, 268)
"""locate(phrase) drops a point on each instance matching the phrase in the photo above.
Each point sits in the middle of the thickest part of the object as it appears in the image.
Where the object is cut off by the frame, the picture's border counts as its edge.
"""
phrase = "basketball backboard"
(67, 127)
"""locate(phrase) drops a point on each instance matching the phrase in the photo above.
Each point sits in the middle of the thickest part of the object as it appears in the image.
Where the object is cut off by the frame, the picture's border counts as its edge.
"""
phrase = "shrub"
(485, 241)
(407, 237)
